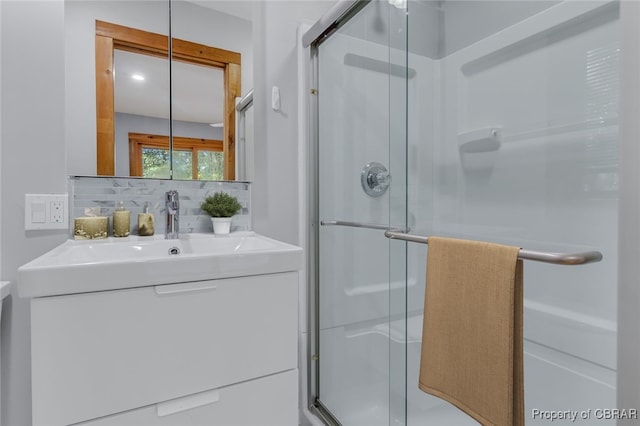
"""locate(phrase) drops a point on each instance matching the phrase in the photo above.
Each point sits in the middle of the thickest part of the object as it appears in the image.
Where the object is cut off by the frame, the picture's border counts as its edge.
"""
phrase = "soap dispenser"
(121, 221)
(145, 222)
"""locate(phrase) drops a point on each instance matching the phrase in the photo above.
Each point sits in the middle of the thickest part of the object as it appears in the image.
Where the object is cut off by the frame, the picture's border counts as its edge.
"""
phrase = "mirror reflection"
(126, 55)
(141, 119)
(203, 111)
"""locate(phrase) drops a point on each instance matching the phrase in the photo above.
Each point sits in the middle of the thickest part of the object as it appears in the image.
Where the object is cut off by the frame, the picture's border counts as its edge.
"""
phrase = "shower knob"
(375, 179)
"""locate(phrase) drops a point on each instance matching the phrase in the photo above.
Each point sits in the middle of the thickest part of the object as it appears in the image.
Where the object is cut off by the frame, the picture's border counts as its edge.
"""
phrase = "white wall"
(466, 22)
(275, 188)
(276, 191)
(33, 160)
(629, 267)
(551, 185)
(0, 147)
(1, 322)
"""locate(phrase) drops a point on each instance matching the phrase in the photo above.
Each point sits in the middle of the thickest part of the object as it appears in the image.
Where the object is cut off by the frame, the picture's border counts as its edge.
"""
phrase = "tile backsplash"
(107, 192)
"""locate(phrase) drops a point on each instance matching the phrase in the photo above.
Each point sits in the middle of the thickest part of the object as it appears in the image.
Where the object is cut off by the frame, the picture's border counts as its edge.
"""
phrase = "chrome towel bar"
(362, 225)
(539, 256)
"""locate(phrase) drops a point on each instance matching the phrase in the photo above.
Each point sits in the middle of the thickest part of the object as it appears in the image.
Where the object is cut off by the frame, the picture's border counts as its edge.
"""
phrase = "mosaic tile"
(107, 192)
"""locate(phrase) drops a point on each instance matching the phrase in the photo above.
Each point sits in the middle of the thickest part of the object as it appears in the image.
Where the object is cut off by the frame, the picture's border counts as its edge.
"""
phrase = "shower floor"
(440, 414)
(357, 392)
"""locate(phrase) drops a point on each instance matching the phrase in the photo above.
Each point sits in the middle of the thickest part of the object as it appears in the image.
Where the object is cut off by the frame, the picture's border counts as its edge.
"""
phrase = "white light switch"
(275, 98)
(38, 211)
(46, 211)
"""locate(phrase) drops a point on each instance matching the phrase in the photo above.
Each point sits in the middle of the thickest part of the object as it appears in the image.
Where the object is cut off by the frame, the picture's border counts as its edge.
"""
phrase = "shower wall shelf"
(581, 258)
(481, 140)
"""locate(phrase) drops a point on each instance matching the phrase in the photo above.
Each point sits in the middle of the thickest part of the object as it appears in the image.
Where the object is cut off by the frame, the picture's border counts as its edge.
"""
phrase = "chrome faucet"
(172, 204)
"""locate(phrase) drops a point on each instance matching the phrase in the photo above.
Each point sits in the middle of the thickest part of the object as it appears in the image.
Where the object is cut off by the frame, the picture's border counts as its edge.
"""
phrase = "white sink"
(81, 266)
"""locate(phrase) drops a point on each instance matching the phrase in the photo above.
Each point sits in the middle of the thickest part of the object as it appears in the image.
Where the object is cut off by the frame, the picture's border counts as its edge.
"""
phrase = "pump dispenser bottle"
(145, 222)
(121, 221)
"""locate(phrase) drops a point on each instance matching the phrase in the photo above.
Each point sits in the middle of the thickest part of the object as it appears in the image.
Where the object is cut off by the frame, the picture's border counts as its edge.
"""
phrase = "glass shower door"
(362, 192)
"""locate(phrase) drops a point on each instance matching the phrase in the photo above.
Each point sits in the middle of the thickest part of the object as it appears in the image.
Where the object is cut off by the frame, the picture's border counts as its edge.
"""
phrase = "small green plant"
(221, 204)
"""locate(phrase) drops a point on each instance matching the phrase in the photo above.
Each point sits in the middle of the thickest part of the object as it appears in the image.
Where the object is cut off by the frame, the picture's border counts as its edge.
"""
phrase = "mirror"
(199, 23)
(195, 62)
(141, 117)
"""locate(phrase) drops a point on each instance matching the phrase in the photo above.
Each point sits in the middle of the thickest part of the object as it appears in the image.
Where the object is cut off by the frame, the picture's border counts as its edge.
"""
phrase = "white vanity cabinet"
(216, 352)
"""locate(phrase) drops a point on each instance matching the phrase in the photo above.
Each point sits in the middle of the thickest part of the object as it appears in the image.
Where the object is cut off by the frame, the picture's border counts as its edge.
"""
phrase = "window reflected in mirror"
(193, 158)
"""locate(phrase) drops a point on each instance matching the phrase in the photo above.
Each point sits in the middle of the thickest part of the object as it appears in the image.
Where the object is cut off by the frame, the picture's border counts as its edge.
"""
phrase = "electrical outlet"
(57, 211)
(46, 211)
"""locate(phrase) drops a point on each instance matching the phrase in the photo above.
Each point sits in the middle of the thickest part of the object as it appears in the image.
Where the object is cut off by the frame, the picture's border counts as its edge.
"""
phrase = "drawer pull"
(184, 288)
(187, 402)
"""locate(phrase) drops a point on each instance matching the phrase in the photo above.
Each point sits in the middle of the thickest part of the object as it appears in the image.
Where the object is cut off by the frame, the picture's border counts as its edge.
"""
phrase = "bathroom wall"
(33, 161)
(2, 332)
(0, 148)
(466, 22)
(279, 188)
(276, 181)
(550, 84)
(629, 217)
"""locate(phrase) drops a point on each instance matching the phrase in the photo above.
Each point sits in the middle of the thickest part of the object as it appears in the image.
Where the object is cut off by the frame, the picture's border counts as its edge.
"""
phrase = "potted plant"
(221, 206)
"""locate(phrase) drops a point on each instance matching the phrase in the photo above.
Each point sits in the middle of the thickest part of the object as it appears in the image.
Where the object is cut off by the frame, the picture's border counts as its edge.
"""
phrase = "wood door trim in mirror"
(112, 36)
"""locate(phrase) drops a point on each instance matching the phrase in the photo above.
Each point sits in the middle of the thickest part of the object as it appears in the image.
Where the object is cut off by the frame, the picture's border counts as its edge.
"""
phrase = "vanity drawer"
(269, 401)
(96, 354)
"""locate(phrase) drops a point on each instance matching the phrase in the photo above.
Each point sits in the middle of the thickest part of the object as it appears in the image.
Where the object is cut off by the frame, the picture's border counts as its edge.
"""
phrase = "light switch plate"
(46, 211)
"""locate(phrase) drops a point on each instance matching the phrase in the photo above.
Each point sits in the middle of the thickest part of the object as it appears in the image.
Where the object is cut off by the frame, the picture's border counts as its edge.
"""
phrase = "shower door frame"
(338, 15)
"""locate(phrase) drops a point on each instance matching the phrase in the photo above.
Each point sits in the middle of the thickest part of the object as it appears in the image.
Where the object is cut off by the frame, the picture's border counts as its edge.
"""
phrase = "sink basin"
(145, 248)
(80, 266)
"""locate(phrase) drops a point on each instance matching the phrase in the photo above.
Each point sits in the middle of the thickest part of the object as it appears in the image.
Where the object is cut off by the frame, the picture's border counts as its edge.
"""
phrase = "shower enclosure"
(483, 120)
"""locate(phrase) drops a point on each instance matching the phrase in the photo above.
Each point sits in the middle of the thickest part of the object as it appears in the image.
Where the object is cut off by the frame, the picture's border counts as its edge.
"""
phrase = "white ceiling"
(197, 90)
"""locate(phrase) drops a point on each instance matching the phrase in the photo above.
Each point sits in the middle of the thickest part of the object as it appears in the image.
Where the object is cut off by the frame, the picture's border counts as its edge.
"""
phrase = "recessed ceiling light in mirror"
(138, 77)
(198, 91)
(150, 99)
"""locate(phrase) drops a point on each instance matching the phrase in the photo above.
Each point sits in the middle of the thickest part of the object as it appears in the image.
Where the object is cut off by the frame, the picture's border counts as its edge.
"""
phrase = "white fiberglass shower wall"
(548, 85)
(498, 121)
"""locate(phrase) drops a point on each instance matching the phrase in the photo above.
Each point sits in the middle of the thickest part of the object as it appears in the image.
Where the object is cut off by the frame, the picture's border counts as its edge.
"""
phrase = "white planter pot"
(221, 225)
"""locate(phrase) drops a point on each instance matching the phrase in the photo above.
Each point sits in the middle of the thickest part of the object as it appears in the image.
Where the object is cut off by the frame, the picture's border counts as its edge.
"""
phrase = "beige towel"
(472, 331)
